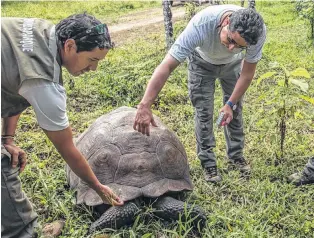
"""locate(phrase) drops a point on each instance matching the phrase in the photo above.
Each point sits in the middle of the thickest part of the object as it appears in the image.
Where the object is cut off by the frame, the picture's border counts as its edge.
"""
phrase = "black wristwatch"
(232, 106)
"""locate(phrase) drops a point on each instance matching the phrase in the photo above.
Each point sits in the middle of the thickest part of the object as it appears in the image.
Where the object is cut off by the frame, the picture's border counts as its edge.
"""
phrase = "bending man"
(33, 51)
(213, 42)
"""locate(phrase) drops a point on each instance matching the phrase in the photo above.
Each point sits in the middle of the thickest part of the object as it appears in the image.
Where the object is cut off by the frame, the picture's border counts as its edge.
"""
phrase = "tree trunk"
(168, 22)
(312, 29)
(251, 4)
(242, 3)
(216, 2)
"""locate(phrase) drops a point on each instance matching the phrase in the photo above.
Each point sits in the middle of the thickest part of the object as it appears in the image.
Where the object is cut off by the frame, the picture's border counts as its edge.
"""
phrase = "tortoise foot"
(169, 208)
(115, 217)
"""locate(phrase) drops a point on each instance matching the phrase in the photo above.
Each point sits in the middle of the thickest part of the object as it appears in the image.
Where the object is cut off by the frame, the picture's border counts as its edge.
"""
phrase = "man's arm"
(158, 80)
(193, 36)
(144, 115)
(246, 77)
(9, 125)
(63, 142)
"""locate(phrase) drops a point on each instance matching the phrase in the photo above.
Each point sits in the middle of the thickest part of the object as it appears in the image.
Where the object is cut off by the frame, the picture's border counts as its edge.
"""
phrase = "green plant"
(285, 97)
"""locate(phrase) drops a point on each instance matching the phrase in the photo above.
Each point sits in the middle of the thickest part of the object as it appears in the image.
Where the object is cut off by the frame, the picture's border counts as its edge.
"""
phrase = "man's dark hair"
(77, 25)
(248, 23)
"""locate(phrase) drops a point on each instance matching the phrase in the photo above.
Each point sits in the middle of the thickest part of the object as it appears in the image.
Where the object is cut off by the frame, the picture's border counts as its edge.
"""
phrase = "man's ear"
(228, 19)
(69, 45)
(226, 22)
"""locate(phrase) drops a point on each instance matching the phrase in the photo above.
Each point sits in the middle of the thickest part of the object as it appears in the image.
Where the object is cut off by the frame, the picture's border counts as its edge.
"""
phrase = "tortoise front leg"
(115, 217)
(169, 208)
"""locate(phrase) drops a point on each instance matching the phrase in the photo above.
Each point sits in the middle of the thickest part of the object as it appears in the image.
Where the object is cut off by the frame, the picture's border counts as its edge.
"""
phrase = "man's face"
(84, 61)
(232, 40)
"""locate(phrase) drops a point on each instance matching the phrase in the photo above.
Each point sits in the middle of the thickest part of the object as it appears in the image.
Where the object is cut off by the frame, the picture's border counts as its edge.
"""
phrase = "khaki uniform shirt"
(28, 51)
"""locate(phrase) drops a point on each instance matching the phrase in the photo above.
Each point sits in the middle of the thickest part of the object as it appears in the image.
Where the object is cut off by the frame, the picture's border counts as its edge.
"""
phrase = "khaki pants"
(202, 76)
(18, 218)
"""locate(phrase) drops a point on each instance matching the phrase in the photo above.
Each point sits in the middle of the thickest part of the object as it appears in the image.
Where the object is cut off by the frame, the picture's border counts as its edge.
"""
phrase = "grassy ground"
(264, 206)
(109, 11)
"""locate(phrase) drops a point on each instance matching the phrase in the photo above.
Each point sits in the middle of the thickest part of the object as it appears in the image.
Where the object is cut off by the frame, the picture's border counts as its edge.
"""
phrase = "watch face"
(234, 107)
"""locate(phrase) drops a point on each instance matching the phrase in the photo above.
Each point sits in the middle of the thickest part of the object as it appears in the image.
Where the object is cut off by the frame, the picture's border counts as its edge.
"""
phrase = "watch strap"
(230, 104)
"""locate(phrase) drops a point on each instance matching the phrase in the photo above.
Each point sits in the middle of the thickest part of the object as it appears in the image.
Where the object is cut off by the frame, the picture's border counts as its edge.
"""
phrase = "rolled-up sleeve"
(49, 102)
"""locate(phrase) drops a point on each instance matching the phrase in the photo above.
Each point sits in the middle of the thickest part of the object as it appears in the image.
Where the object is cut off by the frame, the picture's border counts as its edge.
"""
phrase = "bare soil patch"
(142, 23)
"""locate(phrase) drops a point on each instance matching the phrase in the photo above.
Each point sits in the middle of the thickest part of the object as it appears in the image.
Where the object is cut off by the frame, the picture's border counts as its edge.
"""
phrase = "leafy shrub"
(305, 9)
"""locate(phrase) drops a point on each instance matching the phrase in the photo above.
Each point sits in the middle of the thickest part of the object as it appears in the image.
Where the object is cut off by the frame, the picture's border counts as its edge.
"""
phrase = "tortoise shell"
(131, 164)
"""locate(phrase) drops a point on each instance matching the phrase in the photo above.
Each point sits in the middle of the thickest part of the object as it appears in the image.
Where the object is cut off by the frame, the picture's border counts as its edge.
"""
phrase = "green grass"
(107, 11)
(264, 206)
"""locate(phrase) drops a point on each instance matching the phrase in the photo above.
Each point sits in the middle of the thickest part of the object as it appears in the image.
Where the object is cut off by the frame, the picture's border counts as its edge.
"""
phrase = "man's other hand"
(228, 115)
(143, 118)
(18, 156)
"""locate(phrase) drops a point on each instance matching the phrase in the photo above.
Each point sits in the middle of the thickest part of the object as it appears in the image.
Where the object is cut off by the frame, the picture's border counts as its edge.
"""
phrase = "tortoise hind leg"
(169, 208)
(115, 217)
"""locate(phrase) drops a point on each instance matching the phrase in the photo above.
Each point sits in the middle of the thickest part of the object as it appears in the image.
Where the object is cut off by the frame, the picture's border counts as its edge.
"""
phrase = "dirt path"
(144, 18)
(142, 22)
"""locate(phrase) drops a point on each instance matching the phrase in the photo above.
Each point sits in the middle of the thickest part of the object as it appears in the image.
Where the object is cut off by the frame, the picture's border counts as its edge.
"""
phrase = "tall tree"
(168, 22)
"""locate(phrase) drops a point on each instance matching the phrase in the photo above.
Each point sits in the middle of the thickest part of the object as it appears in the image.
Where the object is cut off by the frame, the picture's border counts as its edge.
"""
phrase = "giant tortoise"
(134, 166)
